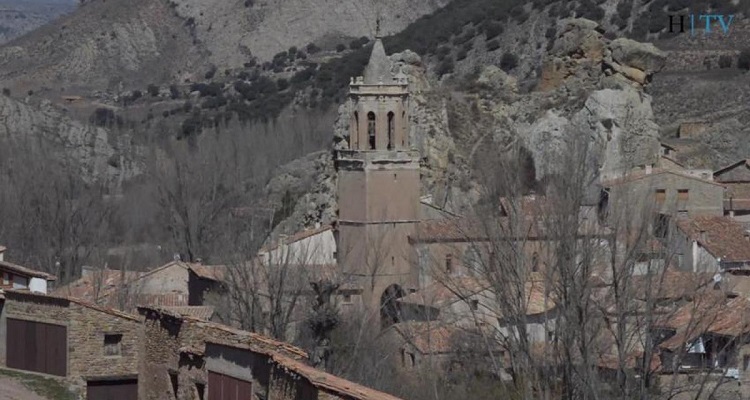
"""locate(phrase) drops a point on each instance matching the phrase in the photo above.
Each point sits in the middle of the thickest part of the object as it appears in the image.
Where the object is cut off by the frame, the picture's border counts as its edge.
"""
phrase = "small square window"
(347, 298)
(475, 305)
(112, 344)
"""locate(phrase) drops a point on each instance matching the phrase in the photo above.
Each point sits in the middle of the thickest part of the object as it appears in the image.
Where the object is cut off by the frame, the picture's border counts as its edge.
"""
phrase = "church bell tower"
(378, 188)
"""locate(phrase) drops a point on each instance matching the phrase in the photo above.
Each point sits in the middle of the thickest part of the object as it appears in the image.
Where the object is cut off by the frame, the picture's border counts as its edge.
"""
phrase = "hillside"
(18, 17)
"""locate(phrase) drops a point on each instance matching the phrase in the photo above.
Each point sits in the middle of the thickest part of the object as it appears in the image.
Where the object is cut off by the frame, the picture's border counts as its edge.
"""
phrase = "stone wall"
(86, 328)
(171, 344)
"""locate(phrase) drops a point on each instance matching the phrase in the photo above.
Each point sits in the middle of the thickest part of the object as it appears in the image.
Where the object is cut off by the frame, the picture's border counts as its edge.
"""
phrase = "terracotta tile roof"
(320, 379)
(745, 162)
(724, 238)
(249, 337)
(199, 312)
(641, 174)
(672, 284)
(441, 294)
(467, 230)
(428, 337)
(21, 295)
(211, 272)
(304, 234)
(707, 314)
(85, 287)
(163, 299)
(7, 266)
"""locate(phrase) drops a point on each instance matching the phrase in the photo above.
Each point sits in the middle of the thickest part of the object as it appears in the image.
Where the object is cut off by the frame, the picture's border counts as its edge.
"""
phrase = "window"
(661, 196)
(746, 362)
(449, 263)
(535, 263)
(371, 129)
(682, 199)
(661, 226)
(390, 131)
(474, 305)
(355, 139)
(6, 278)
(347, 298)
(112, 344)
(412, 359)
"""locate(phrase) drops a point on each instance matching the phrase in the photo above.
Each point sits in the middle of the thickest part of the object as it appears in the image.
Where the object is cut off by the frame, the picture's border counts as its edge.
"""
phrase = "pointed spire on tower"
(378, 69)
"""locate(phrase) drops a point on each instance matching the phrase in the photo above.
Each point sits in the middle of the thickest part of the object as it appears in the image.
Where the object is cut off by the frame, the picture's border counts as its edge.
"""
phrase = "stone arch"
(405, 133)
(390, 309)
(371, 130)
(391, 130)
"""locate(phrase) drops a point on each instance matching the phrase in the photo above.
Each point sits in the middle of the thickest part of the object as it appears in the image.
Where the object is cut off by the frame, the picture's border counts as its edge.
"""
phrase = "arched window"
(449, 263)
(405, 132)
(354, 141)
(535, 263)
(371, 129)
(391, 128)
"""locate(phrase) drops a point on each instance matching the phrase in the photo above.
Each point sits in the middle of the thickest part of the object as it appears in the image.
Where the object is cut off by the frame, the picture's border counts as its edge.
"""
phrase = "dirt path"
(15, 390)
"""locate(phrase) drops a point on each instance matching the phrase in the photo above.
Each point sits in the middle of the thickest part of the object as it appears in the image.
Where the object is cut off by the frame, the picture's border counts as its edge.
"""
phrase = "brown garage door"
(223, 387)
(38, 347)
(112, 390)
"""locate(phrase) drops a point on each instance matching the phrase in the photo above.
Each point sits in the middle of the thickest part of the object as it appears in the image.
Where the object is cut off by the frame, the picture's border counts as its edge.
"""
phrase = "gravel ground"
(15, 390)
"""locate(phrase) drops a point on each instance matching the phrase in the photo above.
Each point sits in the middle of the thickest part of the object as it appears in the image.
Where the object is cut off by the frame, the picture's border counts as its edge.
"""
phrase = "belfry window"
(355, 139)
(390, 131)
(371, 129)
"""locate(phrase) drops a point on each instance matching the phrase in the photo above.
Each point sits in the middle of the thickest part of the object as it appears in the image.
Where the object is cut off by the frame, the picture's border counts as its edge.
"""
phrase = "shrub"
(358, 43)
(624, 9)
(743, 61)
(282, 84)
(174, 92)
(492, 29)
(493, 45)
(211, 72)
(153, 90)
(725, 61)
(312, 48)
(340, 47)
(550, 33)
(445, 67)
(105, 117)
(508, 62)
(461, 54)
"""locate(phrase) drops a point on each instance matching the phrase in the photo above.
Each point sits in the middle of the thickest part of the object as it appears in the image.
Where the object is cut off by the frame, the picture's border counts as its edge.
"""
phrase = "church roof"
(378, 69)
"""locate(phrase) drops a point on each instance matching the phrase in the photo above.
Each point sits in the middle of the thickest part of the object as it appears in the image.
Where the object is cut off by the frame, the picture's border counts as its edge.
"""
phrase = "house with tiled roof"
(713, 244)
(175, 284)
(669, 192)
(736, 178)
(95, 349)
(14, 276)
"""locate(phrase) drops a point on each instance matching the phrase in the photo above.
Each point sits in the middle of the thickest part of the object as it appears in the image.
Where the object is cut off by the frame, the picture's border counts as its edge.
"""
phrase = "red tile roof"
(211, 272)
(319, 379)
(7, 266)
(199, 312)
(724, 238)
(467, 230)
(641, 174)
(22, 295)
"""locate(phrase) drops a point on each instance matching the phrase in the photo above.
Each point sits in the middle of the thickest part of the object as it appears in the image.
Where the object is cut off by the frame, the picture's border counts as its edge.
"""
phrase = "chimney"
(648, 169)
(317, 225)
(702, 235)
(2, 253)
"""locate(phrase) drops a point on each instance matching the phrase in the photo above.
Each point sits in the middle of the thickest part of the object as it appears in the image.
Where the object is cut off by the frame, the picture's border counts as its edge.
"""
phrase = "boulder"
(407, 57)
(496, 78)
(644, 56)
(580, 38)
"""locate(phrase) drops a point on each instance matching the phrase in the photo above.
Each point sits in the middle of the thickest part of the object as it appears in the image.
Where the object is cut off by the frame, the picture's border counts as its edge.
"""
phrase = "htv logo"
(724, 22)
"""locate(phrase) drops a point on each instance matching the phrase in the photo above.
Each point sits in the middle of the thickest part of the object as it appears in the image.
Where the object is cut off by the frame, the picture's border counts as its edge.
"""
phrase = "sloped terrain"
(21, 16)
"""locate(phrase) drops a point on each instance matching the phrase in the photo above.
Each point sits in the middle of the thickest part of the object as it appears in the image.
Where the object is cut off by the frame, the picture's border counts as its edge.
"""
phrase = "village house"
(663, 194)
(244, 369)
(186, 358)
(175, 284)
(14, 276)
(712, 244)
(736, 178)
(416, 344)
(95, 349)
(310, 246)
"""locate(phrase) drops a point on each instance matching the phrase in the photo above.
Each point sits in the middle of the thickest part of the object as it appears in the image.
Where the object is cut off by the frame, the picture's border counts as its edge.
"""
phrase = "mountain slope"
(20, 16)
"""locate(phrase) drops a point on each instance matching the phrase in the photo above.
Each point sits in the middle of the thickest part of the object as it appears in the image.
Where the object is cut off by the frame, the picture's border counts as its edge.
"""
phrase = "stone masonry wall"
(86, 328)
